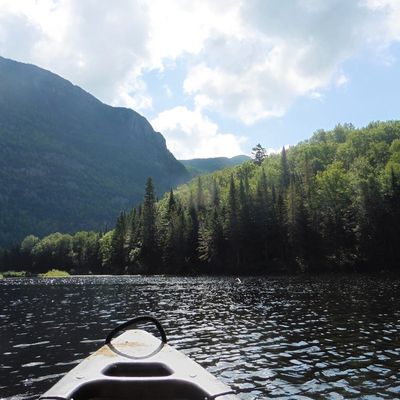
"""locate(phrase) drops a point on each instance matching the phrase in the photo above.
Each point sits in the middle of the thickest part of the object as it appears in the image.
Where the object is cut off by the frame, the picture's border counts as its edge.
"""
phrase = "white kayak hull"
(137, 365)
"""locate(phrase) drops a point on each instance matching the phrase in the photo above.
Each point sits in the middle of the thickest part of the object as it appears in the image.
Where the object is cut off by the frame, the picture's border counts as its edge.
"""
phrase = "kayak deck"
(137, 365)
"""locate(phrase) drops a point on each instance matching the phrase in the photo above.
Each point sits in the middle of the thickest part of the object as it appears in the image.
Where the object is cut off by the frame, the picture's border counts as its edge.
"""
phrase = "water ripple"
(287, 338)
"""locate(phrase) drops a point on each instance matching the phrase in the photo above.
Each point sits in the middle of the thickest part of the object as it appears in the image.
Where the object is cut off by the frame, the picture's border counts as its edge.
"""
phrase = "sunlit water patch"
(286, 338)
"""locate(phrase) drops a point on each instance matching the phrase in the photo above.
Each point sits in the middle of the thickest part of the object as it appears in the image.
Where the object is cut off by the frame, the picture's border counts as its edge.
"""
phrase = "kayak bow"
(137, 365)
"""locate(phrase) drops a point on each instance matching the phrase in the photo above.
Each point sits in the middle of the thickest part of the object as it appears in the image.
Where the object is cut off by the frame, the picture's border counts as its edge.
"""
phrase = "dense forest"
(331, 203)
(201, 166)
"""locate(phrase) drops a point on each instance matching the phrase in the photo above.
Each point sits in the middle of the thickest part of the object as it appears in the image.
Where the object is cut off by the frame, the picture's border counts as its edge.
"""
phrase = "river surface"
(286, 338)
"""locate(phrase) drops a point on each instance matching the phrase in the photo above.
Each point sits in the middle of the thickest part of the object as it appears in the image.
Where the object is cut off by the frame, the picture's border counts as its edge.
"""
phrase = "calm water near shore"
(286, 338)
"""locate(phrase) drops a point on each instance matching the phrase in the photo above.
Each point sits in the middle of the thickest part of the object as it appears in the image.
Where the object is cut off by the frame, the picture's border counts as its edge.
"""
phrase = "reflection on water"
(286, 338)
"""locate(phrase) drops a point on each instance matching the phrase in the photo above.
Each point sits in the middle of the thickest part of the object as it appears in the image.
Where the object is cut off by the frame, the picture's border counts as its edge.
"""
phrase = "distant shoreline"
(6, 275)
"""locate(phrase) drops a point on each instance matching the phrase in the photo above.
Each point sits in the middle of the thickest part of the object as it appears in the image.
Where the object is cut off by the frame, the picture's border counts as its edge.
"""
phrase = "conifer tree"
(211, 240)
(232, 208)
(118, 256)
(244, 212)
(192, 230)
(200, 202)
(259, 154)
(370, 230)
(298, 226)
(232, 221)
(215, 196)
(280, 219)
(130, 229)
(285, 173)
(292, 210)
(262, 209)
(273, 194)
(149, 231)
(171, 235)
(171, 202)
(262, 185)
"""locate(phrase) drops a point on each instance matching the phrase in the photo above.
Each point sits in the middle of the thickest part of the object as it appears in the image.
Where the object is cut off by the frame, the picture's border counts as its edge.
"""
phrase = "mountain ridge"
(67, 160)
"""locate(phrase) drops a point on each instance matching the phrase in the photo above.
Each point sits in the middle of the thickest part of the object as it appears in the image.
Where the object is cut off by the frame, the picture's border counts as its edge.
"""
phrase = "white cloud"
(189, 134)
(107, 47)
(180, 27)
(18, 35)
(248, 60)
(390, 9)
(342, 80)
(100, 47)
(286, 50)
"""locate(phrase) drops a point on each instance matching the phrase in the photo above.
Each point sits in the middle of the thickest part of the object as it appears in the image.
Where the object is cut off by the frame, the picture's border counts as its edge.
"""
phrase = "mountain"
(67, 161)
(199, 166)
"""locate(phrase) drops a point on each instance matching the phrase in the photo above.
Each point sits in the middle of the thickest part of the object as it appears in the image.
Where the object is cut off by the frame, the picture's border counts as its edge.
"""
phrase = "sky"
(218, 77)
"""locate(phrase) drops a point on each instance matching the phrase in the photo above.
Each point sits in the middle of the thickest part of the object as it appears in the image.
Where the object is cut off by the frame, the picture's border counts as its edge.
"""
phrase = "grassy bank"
(13, 274)
(55, 273)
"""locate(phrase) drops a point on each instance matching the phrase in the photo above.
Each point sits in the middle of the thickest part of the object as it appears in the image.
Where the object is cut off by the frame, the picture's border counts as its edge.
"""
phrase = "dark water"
(287, 338)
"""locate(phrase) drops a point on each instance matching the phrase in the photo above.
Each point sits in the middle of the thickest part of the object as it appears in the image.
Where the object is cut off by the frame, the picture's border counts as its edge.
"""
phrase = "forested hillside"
(331, 203)
(200, 166)
(67, 161)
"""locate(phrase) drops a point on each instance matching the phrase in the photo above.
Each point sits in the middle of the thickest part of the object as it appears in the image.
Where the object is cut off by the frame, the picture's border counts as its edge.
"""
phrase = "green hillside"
(67, 161)
(201, 166)
(331, 203)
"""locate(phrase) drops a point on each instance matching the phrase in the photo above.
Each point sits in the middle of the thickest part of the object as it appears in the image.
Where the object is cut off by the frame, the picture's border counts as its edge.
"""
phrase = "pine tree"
(118, 256)
(298, 226)
(171, 202)
(244, 219)
(232, 221)
(262, 209)
(285, 173)
(280, 225)
(211, 240)
(248, 224)
(149, 231)
(259, 154)
(370, 230)
(200, 202)
(191, 231)
(133, 240)
(215, 197)
(273, 194)
(232, 209)
(172, 235)
(292, 210)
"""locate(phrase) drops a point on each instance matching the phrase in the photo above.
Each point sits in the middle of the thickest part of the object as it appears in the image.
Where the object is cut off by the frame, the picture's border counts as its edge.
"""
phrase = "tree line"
(331, 203)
